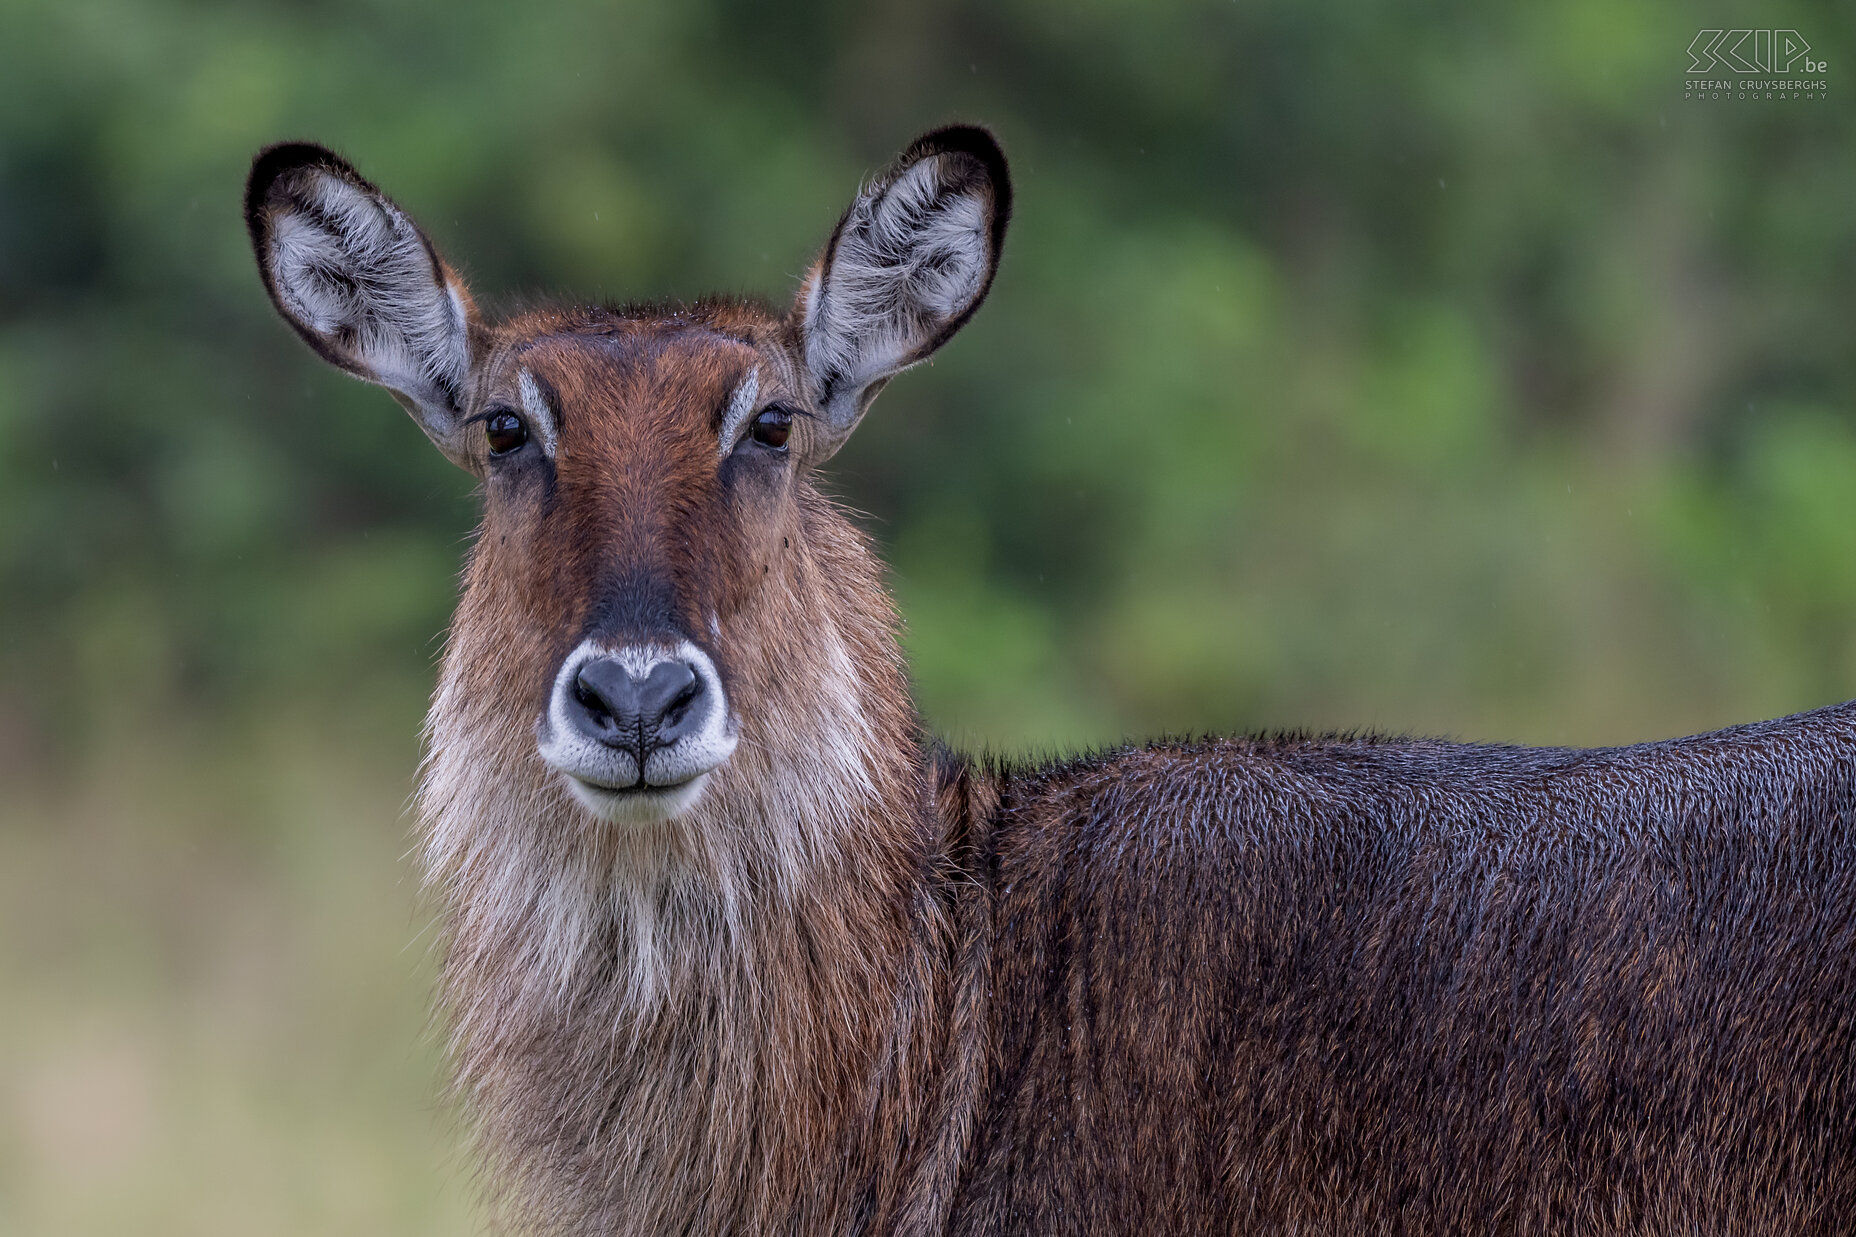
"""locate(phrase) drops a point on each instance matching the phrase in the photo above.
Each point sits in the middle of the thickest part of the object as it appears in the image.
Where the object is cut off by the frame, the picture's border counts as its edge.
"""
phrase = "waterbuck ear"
(361, 284)
(908, 263)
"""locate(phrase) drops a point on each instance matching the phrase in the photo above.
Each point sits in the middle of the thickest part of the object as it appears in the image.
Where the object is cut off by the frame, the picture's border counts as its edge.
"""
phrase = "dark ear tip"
(281, 160)
(978, 143)
(975, 140)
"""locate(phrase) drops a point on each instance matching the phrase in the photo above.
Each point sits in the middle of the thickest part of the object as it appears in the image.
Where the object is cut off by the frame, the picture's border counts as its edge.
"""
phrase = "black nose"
(616, 707)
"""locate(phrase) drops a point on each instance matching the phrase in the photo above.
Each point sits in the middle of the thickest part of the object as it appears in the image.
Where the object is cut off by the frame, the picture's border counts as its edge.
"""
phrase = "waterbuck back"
(731, 947)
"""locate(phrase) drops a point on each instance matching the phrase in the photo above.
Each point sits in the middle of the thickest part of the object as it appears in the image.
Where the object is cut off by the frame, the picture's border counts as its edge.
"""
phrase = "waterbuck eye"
(505, 432)
(771, 427)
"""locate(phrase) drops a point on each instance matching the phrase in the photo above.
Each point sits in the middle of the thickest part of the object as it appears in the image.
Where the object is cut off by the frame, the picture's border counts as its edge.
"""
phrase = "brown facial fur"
(642, 533)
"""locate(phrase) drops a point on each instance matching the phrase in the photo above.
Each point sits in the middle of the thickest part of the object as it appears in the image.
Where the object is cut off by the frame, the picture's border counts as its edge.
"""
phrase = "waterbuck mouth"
(640, 804)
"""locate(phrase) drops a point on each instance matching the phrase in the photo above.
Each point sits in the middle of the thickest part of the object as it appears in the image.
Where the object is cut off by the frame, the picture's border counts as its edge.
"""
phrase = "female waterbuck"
(731, 946)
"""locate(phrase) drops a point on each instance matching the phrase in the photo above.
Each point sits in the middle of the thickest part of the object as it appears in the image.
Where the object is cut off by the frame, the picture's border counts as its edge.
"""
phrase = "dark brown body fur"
(1336, 986)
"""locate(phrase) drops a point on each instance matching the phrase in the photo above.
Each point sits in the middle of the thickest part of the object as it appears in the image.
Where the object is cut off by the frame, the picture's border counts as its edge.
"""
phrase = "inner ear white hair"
(909, 262)
(361, 284)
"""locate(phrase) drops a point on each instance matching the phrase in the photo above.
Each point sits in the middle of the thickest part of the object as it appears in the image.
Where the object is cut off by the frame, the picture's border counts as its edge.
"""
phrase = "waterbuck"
(732, 946)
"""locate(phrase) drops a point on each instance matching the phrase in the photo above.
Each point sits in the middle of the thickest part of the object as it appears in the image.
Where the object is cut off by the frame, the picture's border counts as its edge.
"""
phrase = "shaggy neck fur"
(722, 1023)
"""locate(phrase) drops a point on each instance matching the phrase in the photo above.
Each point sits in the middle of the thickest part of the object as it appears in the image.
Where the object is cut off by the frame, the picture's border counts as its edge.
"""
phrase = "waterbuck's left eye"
(505, 432)
(771, 427)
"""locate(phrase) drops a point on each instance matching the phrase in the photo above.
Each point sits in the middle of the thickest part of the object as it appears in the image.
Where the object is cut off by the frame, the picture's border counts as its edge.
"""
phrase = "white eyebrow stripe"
(740, 406)
(539, 414)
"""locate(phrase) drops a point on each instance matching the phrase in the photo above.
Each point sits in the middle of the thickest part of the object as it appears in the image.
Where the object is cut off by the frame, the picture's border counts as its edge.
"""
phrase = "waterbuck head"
(672, 655)
(644, 470)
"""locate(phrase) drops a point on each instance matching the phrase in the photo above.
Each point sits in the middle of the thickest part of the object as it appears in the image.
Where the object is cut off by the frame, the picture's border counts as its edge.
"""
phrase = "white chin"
(648, 805)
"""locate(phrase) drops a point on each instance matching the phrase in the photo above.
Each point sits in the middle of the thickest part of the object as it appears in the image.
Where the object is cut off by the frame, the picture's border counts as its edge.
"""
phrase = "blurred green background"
(1434, 367)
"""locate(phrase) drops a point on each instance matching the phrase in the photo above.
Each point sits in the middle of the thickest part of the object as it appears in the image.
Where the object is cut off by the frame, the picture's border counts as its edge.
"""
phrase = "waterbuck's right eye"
(506, 432)
(771, 427)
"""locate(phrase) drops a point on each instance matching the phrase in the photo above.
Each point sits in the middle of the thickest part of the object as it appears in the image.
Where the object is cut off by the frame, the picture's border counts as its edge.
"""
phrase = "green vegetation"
(1431, 367)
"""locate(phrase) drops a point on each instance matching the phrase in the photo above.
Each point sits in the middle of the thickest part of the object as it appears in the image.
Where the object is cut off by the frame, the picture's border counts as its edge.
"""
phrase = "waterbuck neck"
(706, 983)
